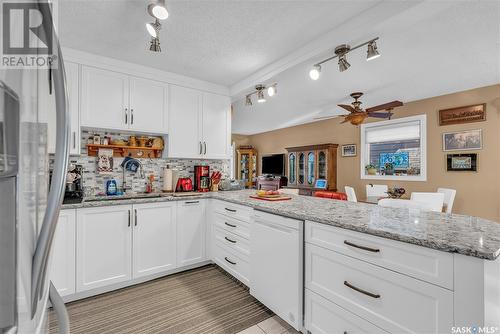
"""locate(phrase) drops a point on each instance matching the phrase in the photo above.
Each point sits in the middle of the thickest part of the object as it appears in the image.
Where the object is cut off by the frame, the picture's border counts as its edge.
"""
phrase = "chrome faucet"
(124, 167)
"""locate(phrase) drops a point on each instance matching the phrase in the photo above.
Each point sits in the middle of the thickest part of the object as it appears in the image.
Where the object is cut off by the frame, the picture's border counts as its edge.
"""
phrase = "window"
(394, 149)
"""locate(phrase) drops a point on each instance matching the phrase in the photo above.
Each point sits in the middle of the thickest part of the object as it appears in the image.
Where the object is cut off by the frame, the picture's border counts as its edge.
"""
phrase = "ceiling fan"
(357, 115)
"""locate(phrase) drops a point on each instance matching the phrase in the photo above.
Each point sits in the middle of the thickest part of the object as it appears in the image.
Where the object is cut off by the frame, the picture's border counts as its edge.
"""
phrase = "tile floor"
(273, 325)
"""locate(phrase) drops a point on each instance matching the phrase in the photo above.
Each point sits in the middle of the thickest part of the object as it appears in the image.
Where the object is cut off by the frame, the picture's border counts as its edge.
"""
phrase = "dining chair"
(351, 194)
(433, 201)
(289, 191)
(449, 197)
(376, 190)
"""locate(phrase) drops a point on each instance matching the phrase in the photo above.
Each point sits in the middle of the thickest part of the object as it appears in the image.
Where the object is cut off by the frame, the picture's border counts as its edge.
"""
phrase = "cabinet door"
(104, 246)
(148, 110)
(47, 108)
(190, 232)
(154, 244)
(62, 269)
(216, 126)
(184, 135)
(104, 98)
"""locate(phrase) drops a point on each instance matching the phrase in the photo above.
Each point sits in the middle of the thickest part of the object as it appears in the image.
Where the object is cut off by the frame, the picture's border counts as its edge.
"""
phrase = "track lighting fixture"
(155, 45)
(154, 28)
(314, 73)
(158, 9)
(341, 52)
(260, 92)
(372, 52)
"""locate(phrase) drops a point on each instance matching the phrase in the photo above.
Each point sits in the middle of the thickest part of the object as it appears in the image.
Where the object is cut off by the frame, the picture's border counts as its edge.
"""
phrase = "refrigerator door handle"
(60, 309)
(61, 159)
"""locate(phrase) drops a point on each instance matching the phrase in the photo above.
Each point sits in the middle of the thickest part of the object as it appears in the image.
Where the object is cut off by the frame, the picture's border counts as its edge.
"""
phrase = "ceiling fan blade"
(347, 107)
(380, 114)
(385, 106)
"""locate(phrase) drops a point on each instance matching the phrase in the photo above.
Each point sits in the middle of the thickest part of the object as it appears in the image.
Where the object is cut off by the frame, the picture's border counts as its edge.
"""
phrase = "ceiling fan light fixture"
(158, 9)
(343, 63)
(372, 51)
(155, 45)
(314, 73)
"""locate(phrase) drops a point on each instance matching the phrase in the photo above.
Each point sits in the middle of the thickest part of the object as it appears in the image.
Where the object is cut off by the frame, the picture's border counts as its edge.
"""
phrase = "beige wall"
(477, 193)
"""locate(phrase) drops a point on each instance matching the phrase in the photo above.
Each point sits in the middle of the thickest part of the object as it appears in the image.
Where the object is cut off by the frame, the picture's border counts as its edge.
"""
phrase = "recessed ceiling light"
(315, 72)
(372, 51)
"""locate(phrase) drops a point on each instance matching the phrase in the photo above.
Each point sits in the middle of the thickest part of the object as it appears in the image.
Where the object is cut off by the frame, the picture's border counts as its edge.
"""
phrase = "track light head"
(372, 51)
(315, 72)
(248, 100)
(158, 9)
(260, 93)
(154, 28)
(155, 45)
(271, 90)
(343, 63)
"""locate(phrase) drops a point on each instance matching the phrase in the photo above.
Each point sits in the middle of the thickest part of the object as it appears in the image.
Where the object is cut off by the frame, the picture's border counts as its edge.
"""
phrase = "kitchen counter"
(471, 236)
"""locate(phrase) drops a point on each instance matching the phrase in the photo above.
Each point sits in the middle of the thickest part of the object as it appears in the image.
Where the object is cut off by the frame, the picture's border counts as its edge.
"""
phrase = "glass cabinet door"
(244, 167)
(292, 173)
(253, 169)
(322, 165)
(310, 168)
(302, 168)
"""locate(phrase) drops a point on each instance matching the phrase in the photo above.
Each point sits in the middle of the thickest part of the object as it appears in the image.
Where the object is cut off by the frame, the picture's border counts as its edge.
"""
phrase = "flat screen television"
(273, 164)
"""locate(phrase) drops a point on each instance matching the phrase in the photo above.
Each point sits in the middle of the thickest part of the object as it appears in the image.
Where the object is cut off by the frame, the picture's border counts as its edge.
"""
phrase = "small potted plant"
(396, 192)
(388, 168)
(371, 169)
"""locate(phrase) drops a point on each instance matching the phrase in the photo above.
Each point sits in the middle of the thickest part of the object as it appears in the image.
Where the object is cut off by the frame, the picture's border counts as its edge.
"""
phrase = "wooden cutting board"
(271, 199)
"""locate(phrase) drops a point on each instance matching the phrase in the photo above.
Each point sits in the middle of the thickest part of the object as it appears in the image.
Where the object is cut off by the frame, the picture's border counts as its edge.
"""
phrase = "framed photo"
(461, 115)
(463, 141)
(461, 162)
(349, 150)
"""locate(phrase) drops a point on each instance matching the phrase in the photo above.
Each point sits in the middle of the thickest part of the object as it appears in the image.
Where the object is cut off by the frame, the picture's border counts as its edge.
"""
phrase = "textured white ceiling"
(221, 41)
(429, 49)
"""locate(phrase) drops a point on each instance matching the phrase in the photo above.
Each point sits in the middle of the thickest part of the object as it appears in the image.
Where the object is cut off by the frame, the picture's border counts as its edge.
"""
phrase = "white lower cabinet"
(190, 232)
(104, 246)
(62, 269)
(154, 242)
(325, 317)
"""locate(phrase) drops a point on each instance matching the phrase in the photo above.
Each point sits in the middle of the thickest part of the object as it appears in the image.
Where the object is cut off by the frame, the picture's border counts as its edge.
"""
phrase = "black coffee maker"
(74, 191)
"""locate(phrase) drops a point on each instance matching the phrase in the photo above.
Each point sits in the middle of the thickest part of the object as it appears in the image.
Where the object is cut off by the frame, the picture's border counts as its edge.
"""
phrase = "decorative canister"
(132, 141)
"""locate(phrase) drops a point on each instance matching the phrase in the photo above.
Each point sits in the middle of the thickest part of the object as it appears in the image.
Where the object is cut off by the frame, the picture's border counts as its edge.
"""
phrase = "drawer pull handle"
(349, 285)
(230, 210)
(230, 225)
(192, 202)
(373, 250)
(233, 263)
(233, 241)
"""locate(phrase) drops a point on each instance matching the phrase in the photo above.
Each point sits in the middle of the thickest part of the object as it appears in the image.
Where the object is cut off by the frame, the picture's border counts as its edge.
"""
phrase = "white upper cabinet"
(184, 135)
(104, 99)
(47, 107)
(148, 105)
(216, 126)
(154, 245)
(199, 124)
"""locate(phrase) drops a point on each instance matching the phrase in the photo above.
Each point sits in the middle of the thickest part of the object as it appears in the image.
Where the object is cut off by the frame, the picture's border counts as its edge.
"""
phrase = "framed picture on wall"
(349, 150)
(463, 140)
(461, 162)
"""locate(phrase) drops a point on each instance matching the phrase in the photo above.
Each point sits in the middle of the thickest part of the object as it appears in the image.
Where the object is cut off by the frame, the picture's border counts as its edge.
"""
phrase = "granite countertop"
(461, 234)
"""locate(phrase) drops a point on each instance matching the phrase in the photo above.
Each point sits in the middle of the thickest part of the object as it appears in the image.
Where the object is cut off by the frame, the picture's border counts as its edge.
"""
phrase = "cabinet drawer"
(325, 317)
(391, 301)
(232, 263)
(423, 263)
(235, 226)
(233, 210)
(233, 242)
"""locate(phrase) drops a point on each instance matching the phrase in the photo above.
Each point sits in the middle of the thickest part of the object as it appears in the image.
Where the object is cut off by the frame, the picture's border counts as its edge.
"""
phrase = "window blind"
(393, 132)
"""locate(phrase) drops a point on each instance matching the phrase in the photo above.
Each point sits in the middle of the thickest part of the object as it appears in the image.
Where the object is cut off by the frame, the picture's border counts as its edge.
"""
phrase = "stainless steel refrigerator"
(28, 209)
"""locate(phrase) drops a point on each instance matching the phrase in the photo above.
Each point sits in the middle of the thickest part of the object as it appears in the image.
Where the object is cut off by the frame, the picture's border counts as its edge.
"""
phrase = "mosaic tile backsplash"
(94, 183)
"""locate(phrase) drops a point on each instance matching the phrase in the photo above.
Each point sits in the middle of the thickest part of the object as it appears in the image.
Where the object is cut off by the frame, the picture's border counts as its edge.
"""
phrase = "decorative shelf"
(124, 151)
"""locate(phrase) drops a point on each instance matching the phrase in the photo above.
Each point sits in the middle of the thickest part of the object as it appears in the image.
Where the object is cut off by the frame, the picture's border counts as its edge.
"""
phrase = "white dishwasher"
(276, 263)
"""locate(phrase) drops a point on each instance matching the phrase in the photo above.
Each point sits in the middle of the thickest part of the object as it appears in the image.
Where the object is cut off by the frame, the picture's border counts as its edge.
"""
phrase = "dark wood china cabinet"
(306, 164)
